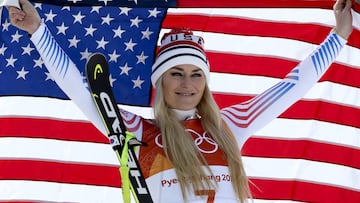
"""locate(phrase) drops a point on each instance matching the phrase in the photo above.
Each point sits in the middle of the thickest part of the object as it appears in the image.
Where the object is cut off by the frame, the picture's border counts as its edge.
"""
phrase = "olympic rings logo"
(199, 140)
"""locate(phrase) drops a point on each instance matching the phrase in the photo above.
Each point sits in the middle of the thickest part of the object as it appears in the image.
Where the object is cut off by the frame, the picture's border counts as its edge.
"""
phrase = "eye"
(176, 73)
(197, 74)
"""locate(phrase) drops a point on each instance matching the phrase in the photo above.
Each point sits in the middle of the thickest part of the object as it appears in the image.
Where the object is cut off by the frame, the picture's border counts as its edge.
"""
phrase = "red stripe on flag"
(60, 172)
(276, 67)
(250, 65)
(324, 111)
(342, 74)
(250, 27)
(50, 128)
(242, 26)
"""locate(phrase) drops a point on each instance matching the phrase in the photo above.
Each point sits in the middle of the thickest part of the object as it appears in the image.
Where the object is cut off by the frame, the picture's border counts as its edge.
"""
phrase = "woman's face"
(183, 86)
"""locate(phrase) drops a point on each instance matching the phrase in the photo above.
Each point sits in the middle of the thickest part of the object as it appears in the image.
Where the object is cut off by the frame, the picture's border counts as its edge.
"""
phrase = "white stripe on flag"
(11, 190)
(305, 170)
(325, 132)
(58, 151)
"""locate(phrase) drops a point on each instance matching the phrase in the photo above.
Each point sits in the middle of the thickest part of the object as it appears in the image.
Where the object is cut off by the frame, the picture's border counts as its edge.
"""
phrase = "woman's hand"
(343, 16)
(26, 19)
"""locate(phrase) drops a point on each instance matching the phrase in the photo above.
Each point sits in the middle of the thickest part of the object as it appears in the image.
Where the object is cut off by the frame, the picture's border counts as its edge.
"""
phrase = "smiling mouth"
(185, 94)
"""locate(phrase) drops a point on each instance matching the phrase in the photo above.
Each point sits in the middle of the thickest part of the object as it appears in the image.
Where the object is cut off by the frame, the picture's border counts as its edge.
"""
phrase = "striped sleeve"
(248, 117)
(66, 74)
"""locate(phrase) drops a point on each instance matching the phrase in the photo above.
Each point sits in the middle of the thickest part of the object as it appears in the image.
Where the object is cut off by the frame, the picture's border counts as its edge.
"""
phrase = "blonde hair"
(179, 147)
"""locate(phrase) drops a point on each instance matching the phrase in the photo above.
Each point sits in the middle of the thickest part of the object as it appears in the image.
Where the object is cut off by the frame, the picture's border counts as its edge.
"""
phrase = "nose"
(186, 81)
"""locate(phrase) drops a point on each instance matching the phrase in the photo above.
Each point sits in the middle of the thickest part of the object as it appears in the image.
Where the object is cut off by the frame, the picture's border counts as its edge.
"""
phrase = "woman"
(193, 153)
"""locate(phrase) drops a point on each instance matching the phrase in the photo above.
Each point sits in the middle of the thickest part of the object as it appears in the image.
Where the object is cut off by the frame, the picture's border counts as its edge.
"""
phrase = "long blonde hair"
(179, 147)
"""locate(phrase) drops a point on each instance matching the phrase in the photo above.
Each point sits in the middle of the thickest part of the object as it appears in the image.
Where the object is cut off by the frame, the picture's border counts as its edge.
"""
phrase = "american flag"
(81, 31)
(50, 152)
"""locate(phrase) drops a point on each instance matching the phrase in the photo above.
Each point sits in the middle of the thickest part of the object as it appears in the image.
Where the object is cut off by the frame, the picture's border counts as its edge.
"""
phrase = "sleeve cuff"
(342, 40)
(35, 37)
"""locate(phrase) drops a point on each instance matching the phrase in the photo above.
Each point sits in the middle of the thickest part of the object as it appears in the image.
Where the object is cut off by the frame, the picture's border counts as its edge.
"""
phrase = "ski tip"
(96, 66)
(96, 56)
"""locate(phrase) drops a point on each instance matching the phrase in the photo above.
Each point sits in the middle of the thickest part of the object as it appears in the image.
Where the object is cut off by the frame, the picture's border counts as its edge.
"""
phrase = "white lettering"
(134, 170)
(110, 111)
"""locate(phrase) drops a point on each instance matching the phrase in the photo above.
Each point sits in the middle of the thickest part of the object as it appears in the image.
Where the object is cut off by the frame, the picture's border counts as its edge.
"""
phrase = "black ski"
(97, 73)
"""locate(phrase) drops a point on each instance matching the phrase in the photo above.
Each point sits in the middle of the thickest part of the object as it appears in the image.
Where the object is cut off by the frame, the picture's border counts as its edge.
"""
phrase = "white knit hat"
(180, 46)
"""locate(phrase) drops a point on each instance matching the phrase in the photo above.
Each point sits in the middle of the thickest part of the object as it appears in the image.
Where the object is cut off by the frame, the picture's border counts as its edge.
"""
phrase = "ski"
(97, 74)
